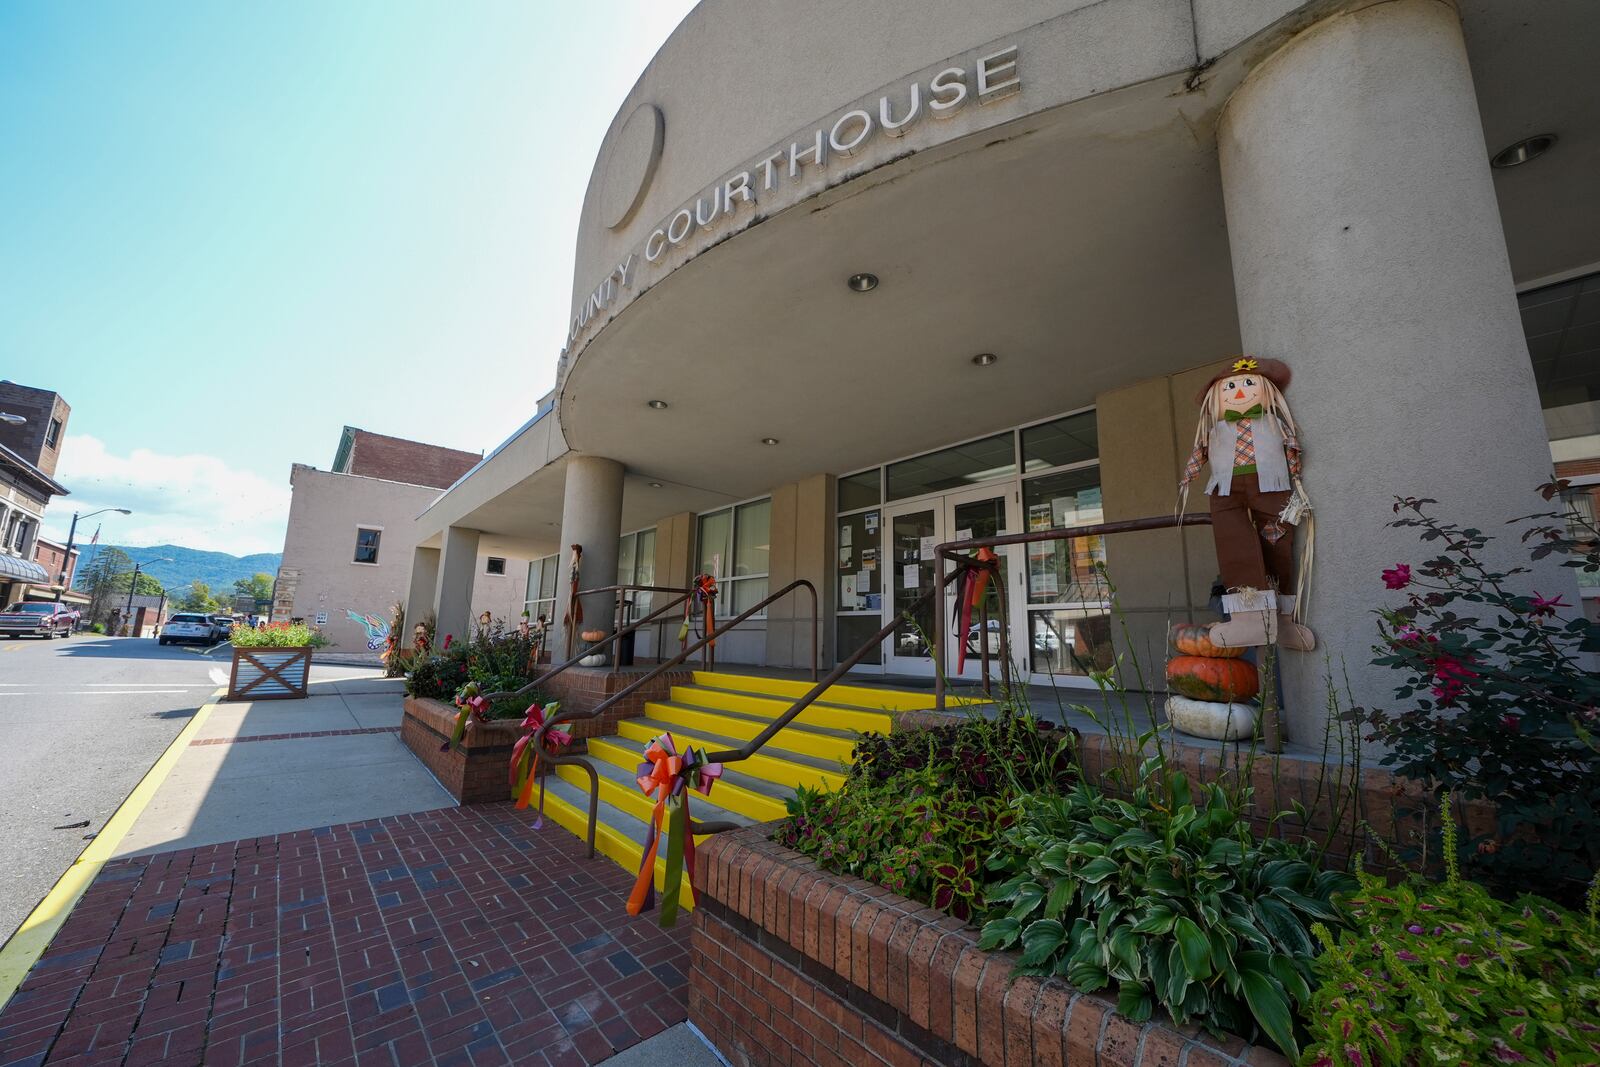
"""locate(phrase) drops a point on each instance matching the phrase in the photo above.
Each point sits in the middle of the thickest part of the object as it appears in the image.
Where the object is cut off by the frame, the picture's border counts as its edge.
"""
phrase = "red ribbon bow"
(525, 757)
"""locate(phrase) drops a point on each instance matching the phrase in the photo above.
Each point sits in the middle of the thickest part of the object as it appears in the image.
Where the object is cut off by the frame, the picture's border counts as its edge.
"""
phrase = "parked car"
(189, 626)
(222, 625)
(27, 619)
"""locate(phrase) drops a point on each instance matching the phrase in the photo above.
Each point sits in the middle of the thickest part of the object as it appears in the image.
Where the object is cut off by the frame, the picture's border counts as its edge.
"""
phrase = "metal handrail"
(575, 759)
(615, 636)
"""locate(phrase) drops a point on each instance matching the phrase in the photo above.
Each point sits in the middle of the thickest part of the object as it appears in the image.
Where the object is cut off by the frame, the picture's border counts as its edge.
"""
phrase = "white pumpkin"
(1216, 720)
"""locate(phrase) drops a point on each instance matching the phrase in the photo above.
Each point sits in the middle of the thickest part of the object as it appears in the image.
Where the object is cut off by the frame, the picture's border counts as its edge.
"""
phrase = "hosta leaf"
(1125, 953)
(1007, 891)
(1224, 852)
(1194, 946)
(1040, 940)
(1061, 893)
(1162, 881)
(1320, 910)
(1055, 857)
(1268, 1003)
(1284, 926)
(1029, 894)
(1159, 920)
(1288, 975)
(1133, 1000)
(1098, 870)
(1289, 874)
(1088, 977)
(999, 933)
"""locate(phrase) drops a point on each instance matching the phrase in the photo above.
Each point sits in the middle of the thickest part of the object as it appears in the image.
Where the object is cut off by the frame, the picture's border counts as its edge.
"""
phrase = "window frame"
(488, 566)
(530, 604)
(52, 434)
(377, 545)
(725, 585)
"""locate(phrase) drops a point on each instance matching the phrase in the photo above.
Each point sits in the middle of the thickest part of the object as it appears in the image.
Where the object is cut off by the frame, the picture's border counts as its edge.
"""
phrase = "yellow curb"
(23, 950)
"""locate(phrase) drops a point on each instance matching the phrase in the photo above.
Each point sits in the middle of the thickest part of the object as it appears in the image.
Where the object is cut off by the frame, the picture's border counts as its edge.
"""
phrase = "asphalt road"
(81, 721)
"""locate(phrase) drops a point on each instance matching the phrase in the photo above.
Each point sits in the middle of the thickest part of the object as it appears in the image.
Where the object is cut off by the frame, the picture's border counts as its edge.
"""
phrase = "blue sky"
(232, 229)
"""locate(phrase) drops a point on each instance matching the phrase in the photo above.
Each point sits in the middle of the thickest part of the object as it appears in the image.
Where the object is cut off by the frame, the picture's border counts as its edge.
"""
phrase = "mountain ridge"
(219, 570)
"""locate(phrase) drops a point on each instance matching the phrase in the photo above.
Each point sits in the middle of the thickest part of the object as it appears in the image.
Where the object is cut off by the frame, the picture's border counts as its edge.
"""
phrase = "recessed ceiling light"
(862, 283)
(985, 359)
(1525, 150)
(769, 440)
(655, 485)
(658, 405)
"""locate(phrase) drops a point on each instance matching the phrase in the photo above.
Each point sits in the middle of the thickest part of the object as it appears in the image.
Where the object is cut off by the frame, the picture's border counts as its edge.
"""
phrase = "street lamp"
(135, 583)
(66, 560)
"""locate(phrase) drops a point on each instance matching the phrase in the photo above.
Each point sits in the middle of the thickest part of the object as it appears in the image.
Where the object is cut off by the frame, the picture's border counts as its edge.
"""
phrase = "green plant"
(1448, 974)
(915, 833)
(1169, 897)
(1011, 754)
(437, 677)
(278, 635)
(1500, 703)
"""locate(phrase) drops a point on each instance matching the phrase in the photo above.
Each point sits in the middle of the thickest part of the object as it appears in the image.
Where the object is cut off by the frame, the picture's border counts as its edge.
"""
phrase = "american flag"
(95, 540)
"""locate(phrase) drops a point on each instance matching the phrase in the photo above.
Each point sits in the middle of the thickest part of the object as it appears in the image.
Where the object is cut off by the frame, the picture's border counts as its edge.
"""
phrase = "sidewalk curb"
(22, 951)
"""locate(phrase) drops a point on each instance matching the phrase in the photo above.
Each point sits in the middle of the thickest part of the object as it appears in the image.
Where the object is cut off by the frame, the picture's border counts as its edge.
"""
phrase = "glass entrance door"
(911, 533)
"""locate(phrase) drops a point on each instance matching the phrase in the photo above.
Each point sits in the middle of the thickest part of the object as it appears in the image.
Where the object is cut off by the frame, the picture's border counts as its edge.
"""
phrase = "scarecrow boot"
(1292, 635)
(1252, 620)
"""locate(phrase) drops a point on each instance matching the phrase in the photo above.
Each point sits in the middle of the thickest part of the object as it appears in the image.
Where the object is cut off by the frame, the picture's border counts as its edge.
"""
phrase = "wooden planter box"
(478, 770)
(793, 964)
(269, 674)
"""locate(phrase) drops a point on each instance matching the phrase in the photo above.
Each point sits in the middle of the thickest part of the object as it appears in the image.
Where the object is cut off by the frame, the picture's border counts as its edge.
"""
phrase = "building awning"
(19, 569)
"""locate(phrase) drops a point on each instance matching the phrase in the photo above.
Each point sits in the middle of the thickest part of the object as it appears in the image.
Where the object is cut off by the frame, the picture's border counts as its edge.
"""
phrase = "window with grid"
(734, 545)
(367, 544)
(636, 565)
(540, 597)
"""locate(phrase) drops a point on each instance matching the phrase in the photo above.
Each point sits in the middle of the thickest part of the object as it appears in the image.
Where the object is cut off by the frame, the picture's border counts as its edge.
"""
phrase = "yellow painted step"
(636, 803)
(757, 806)
(768, 768)
(859, 695)
(616, 845)
(830, 716)
(805, 742)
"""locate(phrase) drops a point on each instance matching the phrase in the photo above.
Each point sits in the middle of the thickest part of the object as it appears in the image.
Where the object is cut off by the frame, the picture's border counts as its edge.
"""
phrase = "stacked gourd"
(1211, 690)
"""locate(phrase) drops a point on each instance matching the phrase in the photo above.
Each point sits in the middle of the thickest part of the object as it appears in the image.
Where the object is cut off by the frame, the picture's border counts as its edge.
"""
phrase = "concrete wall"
(318, 573)
(802, 540)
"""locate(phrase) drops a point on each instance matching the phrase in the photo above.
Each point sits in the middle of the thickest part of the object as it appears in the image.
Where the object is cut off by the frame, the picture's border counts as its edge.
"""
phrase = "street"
(81, 720)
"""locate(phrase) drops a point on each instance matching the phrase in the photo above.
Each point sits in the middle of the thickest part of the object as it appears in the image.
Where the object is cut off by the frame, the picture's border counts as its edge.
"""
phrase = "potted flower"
(272, 662)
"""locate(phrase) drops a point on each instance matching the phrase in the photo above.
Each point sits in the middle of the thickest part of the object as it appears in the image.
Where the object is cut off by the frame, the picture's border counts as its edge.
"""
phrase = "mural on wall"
(377, 629)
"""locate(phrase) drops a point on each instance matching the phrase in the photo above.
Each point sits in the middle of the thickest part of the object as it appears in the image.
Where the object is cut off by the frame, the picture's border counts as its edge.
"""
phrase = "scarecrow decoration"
(973, 585)
(1248, 436)
(574, 616)
(703, 599)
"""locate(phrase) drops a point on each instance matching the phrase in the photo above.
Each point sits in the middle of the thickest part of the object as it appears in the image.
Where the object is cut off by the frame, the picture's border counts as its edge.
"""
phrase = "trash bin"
(625, 649)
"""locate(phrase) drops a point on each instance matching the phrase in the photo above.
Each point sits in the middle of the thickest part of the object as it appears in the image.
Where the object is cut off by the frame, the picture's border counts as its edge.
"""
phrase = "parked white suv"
(189, 626)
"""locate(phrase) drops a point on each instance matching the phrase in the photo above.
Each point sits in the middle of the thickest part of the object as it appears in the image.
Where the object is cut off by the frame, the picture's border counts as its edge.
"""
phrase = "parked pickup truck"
(28, 619)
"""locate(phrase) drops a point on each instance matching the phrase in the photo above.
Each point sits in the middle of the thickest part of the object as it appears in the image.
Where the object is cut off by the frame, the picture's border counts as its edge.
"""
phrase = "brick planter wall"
(586, 688)
(478, 770)
(794, 965)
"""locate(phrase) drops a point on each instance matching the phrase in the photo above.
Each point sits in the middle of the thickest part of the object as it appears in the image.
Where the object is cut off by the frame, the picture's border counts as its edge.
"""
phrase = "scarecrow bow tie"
(669, 776)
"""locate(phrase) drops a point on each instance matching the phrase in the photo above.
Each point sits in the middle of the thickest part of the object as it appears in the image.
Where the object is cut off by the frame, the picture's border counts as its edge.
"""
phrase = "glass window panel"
(746, 593)
(1064, 571)
(1073, 439)
(905, 550)
(1070, 640)
(860, 490)
(366, 545)
(858, 561)
(625, 549)
(713, 542)
(547, 581)
(854, 630)
(953, 468)
(644, 572)
(752, 537)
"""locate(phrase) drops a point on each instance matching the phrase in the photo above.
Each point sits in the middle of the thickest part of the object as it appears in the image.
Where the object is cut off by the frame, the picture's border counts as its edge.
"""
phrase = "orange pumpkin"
(1205, 678)
(1194, 639)
(593, 635)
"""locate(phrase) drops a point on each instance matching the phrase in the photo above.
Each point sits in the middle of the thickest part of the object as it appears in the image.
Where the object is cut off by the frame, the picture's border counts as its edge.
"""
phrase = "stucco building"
(853, 277)
(348, 548)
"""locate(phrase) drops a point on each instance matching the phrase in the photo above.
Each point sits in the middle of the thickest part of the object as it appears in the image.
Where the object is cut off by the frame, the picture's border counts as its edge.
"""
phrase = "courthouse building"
(855, 278)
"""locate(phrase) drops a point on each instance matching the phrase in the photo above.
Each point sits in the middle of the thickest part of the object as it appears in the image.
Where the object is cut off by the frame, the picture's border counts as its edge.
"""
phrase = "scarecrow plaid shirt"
(1244, 454)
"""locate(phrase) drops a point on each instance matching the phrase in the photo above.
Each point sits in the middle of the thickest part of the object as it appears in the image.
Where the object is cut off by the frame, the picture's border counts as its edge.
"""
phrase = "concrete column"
(419, 596)
(1368, 254)
(591, 516)
(452, 597)
(801, 541)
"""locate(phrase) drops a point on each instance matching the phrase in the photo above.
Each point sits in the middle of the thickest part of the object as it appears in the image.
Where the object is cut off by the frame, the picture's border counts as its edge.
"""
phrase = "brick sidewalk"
(450, 937)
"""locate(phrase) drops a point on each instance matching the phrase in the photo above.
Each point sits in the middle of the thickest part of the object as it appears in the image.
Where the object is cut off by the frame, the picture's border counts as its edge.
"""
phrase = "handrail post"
(983, 641)
(1005, 630)
(940, 558)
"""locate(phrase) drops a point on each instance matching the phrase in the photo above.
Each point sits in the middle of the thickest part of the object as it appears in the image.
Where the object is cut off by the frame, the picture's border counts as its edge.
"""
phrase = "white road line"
(97, 693)
(108, 685)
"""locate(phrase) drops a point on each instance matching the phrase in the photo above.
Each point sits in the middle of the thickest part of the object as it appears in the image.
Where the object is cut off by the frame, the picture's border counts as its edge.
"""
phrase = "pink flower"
(447, 639)
(1510, 722)
(1545, 606)
(1398, 576)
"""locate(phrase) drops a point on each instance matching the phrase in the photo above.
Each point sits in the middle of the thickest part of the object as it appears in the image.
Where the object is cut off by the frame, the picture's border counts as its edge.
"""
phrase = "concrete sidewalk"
(299, 890)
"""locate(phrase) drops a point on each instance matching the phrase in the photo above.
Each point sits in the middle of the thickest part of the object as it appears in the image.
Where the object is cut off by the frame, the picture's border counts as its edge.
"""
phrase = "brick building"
(37, 441)
(394, 459)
